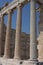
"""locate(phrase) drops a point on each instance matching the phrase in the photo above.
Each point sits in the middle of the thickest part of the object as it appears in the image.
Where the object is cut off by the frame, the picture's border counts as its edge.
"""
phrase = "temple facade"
(17, 47)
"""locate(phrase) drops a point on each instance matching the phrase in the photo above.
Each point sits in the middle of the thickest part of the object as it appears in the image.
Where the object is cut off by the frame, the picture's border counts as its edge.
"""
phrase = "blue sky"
(25, 16)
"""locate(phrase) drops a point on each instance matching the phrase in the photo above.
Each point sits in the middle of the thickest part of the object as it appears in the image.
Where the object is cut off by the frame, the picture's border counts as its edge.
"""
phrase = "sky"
(25, 17)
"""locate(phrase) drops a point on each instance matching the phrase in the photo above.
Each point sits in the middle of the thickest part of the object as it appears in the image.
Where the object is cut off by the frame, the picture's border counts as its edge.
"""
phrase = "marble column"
(18, 32)
(1, 32)
(8, 36)
(33, 37)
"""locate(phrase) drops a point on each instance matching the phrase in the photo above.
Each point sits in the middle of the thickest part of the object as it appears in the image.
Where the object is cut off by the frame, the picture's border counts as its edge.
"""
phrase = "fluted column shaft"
(8, 36)
(1, 32)
(18, 32)
(33, 38)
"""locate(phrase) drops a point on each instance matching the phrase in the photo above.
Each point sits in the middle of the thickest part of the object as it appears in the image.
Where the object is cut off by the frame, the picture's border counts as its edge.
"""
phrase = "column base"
(16, 58)
(31, 62)
(40, 59)
(5, 56)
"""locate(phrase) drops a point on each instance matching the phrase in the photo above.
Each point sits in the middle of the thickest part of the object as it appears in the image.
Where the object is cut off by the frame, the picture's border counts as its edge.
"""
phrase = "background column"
(1, 32)
(40, 38)
(18, 32)
(33, 37)
(8, 36)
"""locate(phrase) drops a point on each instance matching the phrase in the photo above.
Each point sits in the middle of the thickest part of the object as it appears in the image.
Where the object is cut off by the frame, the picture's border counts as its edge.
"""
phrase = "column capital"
(19, 5)
(9, 11)
(1, 15)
